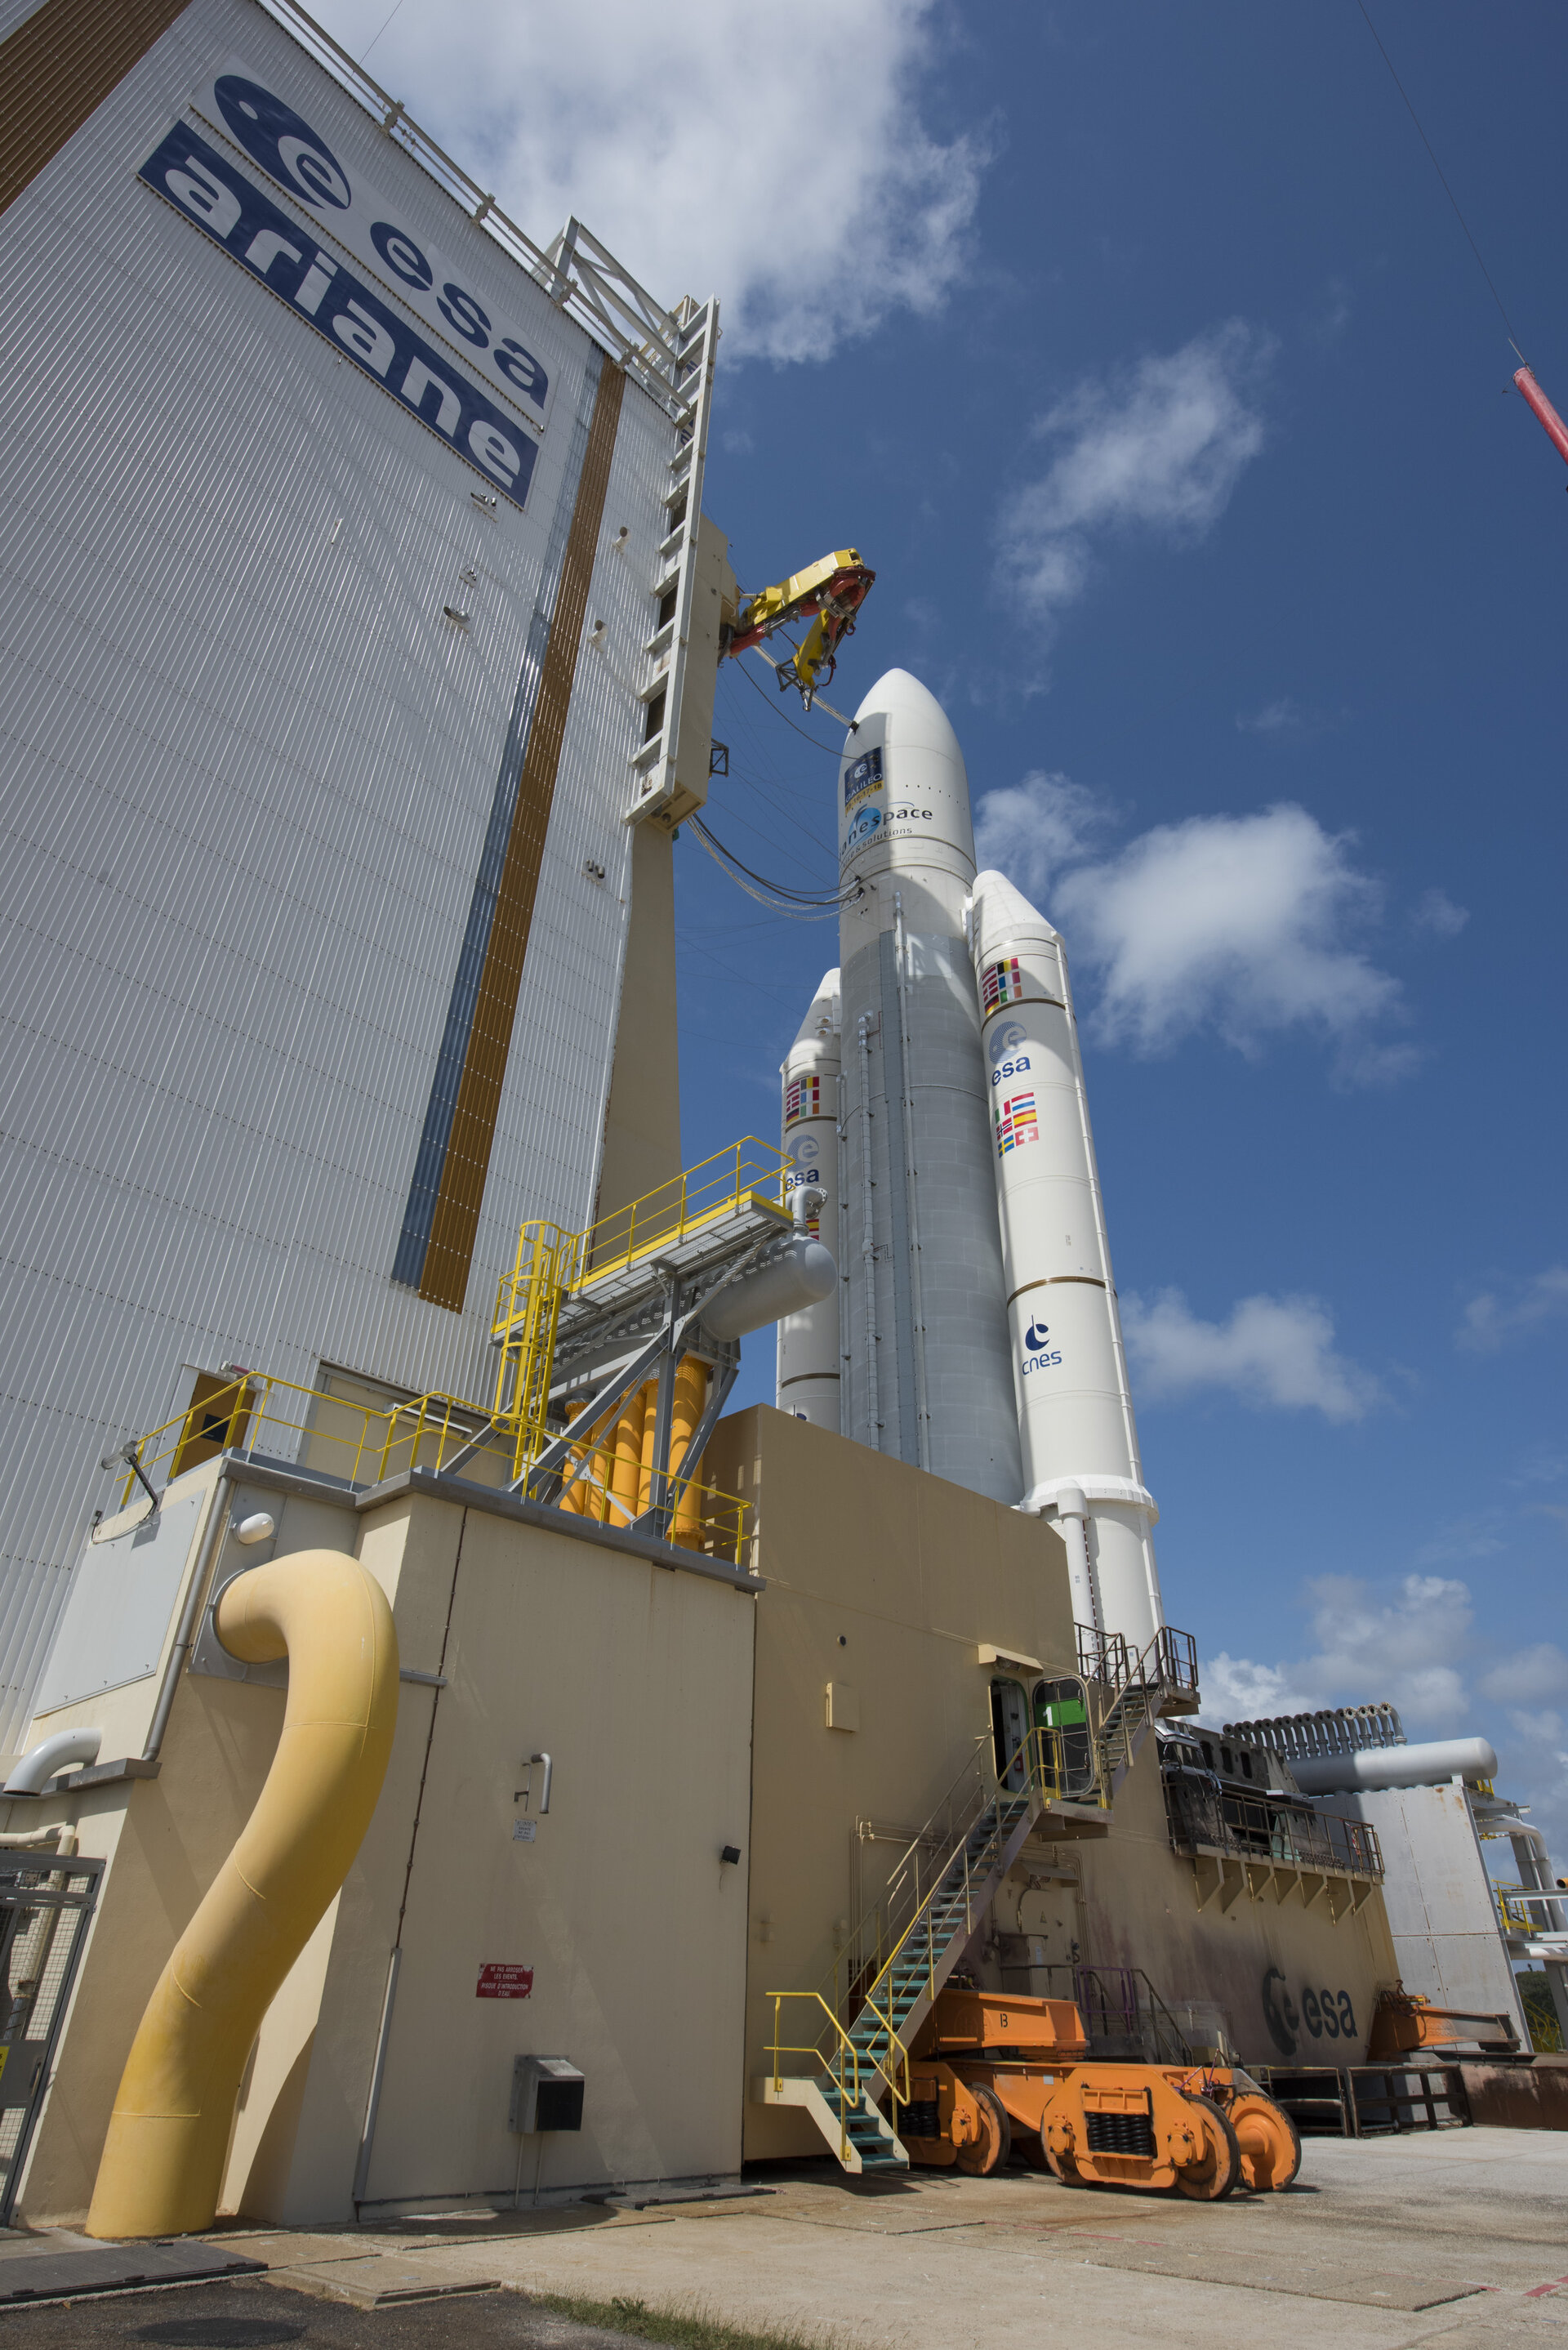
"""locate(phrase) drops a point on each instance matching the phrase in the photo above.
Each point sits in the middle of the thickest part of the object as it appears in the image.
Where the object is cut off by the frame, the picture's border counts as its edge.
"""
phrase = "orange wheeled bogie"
(987, 2070)
(1195, 2134)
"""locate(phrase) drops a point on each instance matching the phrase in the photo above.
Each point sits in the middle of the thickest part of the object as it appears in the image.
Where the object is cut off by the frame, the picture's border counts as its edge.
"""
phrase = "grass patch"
(687, 2328)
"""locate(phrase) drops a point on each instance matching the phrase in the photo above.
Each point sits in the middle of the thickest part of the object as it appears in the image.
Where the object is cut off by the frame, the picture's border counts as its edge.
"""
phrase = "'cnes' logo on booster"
(1038, 1353)
(282, 141)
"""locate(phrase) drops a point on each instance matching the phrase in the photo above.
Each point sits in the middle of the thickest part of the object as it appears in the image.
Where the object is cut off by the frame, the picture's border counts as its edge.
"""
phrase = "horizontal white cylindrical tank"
(809, 1368)
(1079, 1440)
(1373, 1767)
(793, 1274)
(926, 1368)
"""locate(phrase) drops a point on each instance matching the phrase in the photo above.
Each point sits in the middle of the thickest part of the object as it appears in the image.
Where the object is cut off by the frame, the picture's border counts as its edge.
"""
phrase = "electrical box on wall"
(546, 2095)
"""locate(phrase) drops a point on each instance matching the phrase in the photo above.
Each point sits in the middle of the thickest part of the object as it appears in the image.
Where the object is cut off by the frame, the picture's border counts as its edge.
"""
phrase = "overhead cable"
(1437, 167)
(796, 904)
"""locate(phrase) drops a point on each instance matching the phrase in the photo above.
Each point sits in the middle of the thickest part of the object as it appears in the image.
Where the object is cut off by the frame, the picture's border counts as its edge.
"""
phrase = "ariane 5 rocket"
(934, 1096)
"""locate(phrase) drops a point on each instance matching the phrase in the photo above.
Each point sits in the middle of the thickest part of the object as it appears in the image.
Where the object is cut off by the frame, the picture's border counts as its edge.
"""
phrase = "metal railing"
(590, 285)
(1269, 1828)
(831, 2059)
(361, 1444)
(1515, 1903)
(1120, 2003)
(1169, 1661)
(936, 1863)
(748, 1171)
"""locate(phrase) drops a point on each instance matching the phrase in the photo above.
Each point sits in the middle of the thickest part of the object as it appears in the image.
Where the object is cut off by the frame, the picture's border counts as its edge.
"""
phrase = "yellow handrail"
(1028, 1755)
(813, 2048)
(366, 1443)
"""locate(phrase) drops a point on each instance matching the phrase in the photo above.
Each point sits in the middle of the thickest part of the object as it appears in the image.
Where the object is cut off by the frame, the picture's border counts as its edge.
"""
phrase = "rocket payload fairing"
(926, 1373)
(935, 1096)
(810, 1372)
(1074, 1405)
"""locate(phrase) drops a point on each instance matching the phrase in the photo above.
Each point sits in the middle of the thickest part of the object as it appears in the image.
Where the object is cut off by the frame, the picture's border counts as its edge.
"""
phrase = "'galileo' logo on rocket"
(865, 776)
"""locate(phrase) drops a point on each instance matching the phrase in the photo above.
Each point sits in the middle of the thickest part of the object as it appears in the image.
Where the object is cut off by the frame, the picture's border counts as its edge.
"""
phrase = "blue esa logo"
(1035, 1342)
(313, 283)
(282, 141)
(1007, 1037)
(1010, 1068)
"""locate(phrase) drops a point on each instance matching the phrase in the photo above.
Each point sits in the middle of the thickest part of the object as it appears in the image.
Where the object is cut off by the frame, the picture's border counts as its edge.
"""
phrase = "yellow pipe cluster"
(167, 2140)
(611, 1477)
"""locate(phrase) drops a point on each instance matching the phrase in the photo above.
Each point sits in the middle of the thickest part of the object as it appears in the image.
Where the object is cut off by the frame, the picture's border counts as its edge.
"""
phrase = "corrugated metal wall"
(248, 767)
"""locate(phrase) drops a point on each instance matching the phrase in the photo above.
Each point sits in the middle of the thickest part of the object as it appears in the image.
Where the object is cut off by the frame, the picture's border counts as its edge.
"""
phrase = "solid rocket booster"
(809, 1370)
(926, 1370)
(1080, 1451)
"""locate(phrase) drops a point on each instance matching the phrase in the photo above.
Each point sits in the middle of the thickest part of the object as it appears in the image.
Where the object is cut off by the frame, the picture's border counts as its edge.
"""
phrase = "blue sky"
(1140, 352)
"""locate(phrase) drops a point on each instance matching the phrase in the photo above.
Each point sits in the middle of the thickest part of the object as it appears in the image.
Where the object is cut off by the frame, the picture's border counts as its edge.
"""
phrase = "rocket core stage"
(935, 1093)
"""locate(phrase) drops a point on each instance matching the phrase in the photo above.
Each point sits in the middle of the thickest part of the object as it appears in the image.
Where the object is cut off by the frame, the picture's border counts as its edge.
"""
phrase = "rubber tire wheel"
(1219, 2177)
(1271, 2150)
(992, 2153)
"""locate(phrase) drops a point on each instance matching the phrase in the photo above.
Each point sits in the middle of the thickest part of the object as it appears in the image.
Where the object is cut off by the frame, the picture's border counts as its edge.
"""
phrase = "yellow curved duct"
(167, 2139)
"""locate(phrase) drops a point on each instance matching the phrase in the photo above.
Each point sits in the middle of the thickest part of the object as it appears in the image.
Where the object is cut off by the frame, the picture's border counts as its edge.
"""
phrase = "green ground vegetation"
(686, 2326)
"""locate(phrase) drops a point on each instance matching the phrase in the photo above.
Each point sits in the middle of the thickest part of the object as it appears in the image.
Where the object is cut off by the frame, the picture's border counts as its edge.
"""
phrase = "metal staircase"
(1135, 1689)
(884, 1983)
(886, 1980)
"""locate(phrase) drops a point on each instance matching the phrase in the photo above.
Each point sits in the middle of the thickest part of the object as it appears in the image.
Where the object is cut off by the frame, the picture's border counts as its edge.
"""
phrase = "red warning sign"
(498, 1981)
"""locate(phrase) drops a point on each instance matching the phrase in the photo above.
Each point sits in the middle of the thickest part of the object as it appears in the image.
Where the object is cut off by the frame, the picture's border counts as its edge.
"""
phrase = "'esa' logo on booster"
(1036, 1339)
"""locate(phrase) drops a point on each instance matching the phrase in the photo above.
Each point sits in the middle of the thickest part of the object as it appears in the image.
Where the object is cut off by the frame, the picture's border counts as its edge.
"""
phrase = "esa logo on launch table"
(1036, 1339)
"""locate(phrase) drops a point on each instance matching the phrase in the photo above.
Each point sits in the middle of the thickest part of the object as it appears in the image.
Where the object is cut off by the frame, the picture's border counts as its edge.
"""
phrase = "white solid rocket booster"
(809, 1370)
(925, 1358)
(1080, 1448)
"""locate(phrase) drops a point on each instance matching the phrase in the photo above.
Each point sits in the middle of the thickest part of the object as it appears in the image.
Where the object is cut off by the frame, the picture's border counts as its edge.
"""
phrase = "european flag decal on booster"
(269, 246)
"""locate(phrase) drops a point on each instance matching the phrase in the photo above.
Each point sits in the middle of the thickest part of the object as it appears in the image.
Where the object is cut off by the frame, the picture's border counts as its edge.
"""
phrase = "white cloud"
(1491, 1320)
(1405, 1650)
(1158, 446)
(1530, 1676)
(1273, 1352)
(1436, 914)
(1282, 717)
(1030, 830)
(1237, 1690)
(1244, 924)
(714, 149)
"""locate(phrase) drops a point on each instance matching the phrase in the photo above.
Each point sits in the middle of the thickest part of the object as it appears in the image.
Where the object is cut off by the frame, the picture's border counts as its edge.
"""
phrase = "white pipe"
(65, 1749)
(868, 1238)
(1072, 1519)
(912, 1176)
(798, 1273)
(1379, 1767)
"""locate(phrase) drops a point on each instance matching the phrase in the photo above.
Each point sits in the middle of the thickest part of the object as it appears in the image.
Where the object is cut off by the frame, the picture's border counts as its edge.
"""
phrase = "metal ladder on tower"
(888, 1979)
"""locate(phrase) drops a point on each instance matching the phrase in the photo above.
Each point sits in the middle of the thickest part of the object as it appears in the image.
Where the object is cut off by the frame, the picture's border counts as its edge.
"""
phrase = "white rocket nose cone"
(903, 789)
(913, 716)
